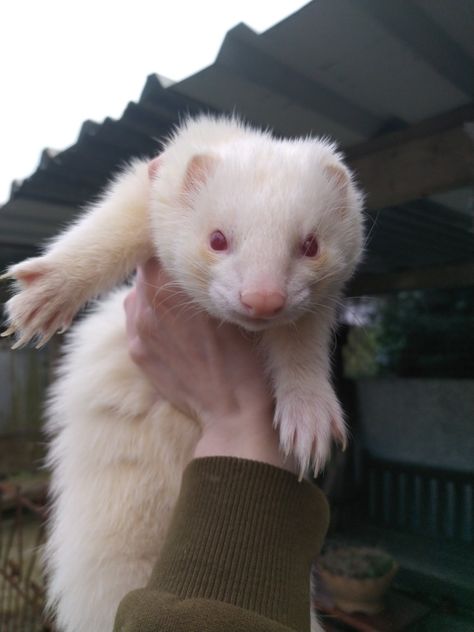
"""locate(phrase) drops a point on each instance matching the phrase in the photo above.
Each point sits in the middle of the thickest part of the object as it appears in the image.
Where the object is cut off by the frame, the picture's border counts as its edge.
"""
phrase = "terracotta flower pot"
(358, 594)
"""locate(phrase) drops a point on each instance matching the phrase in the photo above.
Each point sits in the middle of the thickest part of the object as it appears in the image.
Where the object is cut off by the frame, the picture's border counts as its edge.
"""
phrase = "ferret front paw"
(307, 424)
(43, 303)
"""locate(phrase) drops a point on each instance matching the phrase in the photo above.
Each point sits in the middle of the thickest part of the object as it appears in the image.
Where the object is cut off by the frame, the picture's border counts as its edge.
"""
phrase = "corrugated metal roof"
(352, 70)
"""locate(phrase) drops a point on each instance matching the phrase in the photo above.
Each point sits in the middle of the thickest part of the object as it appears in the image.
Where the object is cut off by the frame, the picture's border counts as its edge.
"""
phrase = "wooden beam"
(417, 167)
(439, 123)
(438, 277)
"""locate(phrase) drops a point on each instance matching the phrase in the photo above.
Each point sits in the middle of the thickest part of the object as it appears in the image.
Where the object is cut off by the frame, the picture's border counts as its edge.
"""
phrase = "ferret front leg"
(98, 251)
(307, 414)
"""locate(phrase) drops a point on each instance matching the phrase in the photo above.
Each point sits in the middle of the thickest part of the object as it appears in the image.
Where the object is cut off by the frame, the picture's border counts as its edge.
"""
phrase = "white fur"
(117, 459)
(117, 456)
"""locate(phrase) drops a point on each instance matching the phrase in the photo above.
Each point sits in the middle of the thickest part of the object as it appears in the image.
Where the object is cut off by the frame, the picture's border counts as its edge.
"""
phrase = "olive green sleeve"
(237, 555)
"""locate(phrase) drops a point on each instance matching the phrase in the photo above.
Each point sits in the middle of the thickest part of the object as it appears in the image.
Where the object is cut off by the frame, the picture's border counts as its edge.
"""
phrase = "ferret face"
(265, 234)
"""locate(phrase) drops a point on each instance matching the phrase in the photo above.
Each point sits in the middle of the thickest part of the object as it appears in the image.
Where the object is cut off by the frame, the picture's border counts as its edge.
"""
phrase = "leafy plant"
(422, 333)
(428, 333)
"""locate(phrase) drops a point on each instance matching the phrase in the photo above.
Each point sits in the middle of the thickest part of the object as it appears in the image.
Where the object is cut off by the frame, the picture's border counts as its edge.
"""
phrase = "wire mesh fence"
(22, 592)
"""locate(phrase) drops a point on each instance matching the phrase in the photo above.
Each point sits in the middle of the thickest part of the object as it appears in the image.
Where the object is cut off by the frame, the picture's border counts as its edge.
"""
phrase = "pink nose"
(263, 304)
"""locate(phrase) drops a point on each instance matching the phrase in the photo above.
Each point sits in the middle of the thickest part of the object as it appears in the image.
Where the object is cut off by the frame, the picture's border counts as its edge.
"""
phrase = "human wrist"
(246, 436)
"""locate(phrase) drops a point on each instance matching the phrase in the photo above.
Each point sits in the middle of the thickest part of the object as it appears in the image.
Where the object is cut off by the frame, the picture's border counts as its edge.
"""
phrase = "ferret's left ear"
(153, 167)
(338, 175)
(199, 168)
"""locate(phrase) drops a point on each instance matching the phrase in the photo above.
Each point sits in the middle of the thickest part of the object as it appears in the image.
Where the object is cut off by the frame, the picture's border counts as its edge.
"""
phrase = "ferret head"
(259, 231)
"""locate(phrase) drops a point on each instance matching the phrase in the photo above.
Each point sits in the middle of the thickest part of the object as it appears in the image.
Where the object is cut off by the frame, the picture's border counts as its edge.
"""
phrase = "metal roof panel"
(351, 70)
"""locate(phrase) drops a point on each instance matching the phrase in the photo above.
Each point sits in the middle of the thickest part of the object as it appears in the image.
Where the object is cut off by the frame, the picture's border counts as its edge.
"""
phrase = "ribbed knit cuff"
(244, 533)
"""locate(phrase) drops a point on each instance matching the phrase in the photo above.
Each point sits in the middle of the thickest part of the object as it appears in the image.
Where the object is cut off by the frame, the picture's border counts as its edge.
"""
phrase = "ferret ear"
(338, 175)
(200, 167)
(153, 167)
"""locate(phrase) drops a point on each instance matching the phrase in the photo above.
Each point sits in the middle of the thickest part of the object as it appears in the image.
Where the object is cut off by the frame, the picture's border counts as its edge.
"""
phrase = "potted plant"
(357, 577)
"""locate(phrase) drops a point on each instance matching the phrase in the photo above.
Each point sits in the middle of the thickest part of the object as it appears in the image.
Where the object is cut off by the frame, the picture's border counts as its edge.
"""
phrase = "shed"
(394, 88)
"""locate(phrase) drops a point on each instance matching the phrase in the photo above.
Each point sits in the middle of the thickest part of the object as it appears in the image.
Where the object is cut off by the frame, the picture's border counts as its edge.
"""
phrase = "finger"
(129, 300)
(150, 268)
(147, 279)
(154, 284)
(158, 289)
(130, 307)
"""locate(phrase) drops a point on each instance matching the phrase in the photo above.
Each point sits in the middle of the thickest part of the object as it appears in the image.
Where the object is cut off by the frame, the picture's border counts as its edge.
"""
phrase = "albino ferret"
(259, 231)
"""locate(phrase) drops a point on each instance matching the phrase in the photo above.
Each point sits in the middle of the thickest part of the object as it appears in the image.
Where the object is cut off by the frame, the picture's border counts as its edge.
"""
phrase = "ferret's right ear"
(199, 168)
(338, 175)
(153, 167)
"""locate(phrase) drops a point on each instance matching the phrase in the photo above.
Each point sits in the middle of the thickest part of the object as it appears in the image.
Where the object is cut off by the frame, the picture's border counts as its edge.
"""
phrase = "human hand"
(207, 370)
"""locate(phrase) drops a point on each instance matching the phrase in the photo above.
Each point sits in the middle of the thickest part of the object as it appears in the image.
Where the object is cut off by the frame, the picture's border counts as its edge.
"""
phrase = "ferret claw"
(5, 275)
(21, 342)
(42, 341)
(8, 332)
(63, 328)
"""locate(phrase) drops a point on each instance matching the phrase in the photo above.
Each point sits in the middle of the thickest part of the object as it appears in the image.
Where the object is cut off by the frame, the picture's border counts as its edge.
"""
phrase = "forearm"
(111, 237)
(238, 553)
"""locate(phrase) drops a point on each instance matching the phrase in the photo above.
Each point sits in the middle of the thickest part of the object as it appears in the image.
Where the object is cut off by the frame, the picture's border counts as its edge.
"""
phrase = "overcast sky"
(63, 62)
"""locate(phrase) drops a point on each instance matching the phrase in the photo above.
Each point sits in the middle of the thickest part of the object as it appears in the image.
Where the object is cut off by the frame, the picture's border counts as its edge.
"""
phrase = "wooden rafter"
(412, 168)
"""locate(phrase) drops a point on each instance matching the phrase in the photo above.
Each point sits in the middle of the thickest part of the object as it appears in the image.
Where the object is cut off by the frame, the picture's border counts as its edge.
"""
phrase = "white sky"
(62, 62)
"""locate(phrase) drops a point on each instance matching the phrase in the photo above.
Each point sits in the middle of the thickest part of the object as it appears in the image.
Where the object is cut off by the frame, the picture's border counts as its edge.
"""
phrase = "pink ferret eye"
(218, 241)
(310, 246)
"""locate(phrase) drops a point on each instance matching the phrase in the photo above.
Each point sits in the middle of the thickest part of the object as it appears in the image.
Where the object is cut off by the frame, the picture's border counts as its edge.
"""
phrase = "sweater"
(237, 556)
